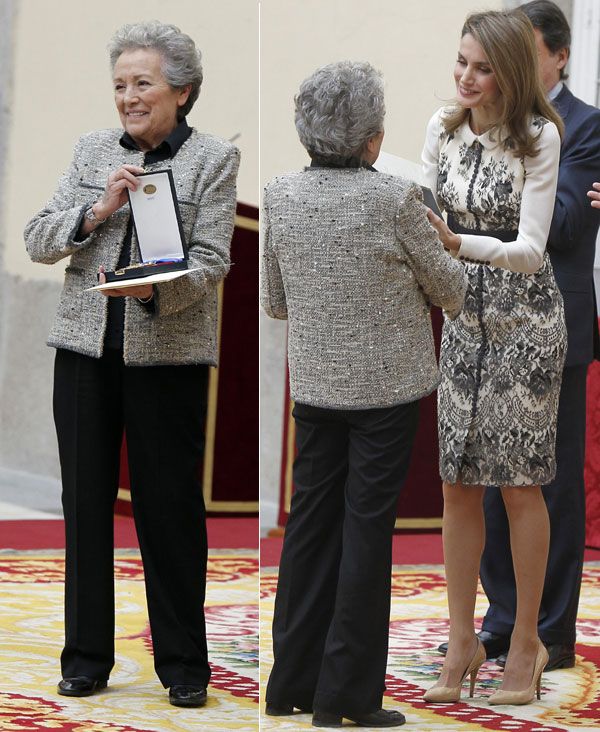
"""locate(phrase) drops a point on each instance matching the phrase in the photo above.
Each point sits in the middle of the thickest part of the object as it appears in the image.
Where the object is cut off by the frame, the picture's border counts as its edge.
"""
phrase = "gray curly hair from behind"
(338, 108)
(181, 60)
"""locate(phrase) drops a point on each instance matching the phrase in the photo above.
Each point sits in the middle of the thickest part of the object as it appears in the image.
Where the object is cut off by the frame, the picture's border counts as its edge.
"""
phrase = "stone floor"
(26, 496)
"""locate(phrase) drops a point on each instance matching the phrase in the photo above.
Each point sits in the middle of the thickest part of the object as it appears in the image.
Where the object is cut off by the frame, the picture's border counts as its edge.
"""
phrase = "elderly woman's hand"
(114, 196)
(143, 292)
(115, 193)
(595, 195)
(448, 238)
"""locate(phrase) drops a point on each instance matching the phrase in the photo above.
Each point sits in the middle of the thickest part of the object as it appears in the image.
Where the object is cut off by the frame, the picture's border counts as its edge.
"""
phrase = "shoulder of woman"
(202, 142)
(401, 191)
(282, 182)
(546, 131)
(96, 144)
(97, 137)
(410, 193)
(435, 126)
(542, 125)
(436, 118)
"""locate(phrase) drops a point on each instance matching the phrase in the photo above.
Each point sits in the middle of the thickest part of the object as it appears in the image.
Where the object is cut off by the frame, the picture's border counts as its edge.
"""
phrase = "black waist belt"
(502, 234)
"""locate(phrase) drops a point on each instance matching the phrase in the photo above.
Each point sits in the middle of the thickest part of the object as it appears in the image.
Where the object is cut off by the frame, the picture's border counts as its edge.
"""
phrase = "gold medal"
(149, 189)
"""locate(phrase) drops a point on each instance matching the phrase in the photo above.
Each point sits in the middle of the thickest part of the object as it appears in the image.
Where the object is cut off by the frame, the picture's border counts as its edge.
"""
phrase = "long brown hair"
(507, 40)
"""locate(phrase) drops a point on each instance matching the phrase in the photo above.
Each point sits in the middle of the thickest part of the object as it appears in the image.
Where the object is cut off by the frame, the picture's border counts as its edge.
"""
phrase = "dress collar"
(490, 139)
(170, 145)
(340, 163)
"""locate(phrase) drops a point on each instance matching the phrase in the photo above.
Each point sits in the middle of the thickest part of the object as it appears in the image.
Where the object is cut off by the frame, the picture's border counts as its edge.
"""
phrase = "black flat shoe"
(80, 686)
(187, 696)
(283, 710)
(380, 718)
(559, 656)
(495, 645)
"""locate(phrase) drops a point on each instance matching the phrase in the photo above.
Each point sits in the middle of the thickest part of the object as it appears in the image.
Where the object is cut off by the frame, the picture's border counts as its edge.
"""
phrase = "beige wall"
(413, 42)
(62, 88)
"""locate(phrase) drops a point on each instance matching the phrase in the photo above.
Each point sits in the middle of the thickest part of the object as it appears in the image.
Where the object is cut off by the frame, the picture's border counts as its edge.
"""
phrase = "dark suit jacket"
(572, 239)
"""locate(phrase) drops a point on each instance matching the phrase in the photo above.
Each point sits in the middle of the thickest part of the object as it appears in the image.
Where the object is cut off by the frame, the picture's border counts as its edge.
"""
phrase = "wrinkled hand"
(448, 238)
(595, 196)
(115, 193)
(143, 291)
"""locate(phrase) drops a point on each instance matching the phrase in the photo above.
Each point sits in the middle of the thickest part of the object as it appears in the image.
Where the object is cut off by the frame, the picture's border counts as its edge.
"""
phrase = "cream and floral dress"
(501, 359)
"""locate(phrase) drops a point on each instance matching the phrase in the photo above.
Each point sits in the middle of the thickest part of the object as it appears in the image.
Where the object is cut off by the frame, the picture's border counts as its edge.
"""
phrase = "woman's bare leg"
(463, 535)
(529, 540)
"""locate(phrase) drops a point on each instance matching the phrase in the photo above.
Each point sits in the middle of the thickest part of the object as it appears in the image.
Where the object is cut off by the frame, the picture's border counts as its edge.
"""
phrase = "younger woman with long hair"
(492, 160)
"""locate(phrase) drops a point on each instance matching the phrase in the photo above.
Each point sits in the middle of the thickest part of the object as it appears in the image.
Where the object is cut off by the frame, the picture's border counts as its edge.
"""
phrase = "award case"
(158, 228)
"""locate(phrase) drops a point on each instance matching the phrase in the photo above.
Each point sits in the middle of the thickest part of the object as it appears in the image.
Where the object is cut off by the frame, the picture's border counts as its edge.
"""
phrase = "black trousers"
(332, 608)
(162, 409)
(565, 498)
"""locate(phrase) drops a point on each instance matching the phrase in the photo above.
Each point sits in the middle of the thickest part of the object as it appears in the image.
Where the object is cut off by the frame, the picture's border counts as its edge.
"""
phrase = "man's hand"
(595, 196)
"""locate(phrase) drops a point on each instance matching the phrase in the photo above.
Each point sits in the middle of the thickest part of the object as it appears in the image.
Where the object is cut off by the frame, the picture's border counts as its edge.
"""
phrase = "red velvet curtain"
(592, 457)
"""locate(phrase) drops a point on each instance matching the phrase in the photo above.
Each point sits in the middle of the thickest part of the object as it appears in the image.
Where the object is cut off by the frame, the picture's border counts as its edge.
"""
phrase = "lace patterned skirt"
(501, 362)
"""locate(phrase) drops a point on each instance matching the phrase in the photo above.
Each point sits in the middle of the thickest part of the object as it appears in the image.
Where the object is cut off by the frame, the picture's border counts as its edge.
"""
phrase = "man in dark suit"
(571, 245)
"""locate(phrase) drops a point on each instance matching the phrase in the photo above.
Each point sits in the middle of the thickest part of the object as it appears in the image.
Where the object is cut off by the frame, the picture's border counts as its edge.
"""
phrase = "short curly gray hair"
(181, 60)
(338, 108)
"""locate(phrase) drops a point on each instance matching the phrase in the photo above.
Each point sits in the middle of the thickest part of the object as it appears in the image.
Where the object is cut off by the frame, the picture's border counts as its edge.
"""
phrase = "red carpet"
(223, 533)
(31, 636)
(407, 549)
(570, 698)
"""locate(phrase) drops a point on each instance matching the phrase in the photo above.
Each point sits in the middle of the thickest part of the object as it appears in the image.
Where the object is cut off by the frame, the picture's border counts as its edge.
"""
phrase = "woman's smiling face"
(147, 105)
(476, 84)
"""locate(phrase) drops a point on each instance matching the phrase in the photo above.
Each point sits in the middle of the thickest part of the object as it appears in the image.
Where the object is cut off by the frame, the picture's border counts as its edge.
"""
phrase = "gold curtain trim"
(245, 222)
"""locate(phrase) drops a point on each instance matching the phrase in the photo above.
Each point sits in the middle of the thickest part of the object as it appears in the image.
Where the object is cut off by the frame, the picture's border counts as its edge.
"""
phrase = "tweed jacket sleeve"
(442, 279)
(208, 247)
(50, 234)
(272, 293)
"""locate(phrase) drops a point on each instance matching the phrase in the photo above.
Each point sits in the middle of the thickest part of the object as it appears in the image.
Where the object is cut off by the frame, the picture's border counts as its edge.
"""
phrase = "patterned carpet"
(570, 698)
(31, 635)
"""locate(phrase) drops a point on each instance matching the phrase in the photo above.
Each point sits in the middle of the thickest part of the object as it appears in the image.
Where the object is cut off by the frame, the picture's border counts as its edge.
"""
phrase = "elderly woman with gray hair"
(137, 360)
(353, 264)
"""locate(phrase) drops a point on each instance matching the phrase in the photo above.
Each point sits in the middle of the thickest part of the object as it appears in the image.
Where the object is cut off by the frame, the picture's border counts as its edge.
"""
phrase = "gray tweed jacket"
(183, 328)
(351, 260)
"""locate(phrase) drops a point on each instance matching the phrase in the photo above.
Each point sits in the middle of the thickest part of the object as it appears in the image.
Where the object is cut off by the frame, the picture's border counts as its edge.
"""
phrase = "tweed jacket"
(183, 327)
(351, 260)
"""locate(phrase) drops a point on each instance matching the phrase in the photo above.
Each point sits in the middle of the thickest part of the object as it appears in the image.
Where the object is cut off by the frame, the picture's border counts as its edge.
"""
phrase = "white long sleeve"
(431, 153)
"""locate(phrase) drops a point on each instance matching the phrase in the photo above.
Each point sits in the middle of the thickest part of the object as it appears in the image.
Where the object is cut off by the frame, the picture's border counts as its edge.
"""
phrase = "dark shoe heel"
(80, 686)
(181, 695)
(283, 710)
(326, 719)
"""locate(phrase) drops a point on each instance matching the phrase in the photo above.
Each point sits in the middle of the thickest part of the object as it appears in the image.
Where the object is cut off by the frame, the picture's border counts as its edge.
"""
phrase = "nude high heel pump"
(446, 694)
(526, 695)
